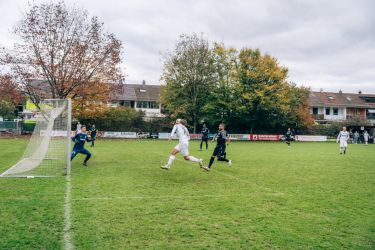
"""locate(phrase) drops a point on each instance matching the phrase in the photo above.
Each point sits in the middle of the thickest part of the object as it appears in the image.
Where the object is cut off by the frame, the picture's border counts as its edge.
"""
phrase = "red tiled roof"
(332, 99)
(139, 92)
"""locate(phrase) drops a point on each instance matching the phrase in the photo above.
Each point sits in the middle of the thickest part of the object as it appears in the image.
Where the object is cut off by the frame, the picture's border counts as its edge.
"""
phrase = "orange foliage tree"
(64, 53)
(9, 90)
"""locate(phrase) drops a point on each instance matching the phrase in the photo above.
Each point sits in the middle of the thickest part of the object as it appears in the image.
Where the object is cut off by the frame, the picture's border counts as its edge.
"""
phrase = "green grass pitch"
(272, 197)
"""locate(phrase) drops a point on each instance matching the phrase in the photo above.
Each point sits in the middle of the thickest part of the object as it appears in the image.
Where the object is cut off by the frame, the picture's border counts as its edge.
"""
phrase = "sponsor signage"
(143, 135)
(56, 133)
(165, 136)
(128, 135)
(234, 137)
(239, 137)
(255, 137)
(311, 138)
(195, 136)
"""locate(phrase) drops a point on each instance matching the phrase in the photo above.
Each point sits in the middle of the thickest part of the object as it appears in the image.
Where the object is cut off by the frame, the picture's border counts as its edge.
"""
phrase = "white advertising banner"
(240, 137)
(311, 138)
(127, 135)
(56, 133)
(165, 136)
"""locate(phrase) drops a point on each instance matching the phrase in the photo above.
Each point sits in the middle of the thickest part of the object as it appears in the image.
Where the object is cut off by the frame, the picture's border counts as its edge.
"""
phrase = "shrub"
(118, 119)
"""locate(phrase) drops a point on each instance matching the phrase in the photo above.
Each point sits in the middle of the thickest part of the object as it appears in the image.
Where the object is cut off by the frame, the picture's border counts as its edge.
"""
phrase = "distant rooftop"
(339, 99)
(139, 92)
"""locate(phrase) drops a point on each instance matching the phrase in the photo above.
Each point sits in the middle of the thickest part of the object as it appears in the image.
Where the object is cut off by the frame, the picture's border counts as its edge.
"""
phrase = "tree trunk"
(194, 122)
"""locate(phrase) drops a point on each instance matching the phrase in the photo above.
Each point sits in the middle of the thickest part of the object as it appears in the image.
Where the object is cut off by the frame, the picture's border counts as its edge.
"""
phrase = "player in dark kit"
(79, 146)
(222, 139)
(205, 135)
(93, 132)
(288, 137)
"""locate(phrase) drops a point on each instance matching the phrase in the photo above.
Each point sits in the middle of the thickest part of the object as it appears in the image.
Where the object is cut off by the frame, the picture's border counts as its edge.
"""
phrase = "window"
(315, 111)
(142, 105)
(147, 105)
(335, 111)
(125, 103)
(331, 98)
(370, 99)
(328, 111)
(370, 114)
(153, 105)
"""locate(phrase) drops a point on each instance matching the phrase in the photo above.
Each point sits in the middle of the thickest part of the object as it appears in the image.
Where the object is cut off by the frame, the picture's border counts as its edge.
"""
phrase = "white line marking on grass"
(251, 183)
(167, 197)
(68, 245)
(155, 197)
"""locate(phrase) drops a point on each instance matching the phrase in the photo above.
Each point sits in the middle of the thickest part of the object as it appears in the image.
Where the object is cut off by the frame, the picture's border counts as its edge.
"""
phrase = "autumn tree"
(189, 74)
(268, 99)
(264, 89)
(64, 53)
(10, 96)
(9, 90)
(299, 114)
(243, 88)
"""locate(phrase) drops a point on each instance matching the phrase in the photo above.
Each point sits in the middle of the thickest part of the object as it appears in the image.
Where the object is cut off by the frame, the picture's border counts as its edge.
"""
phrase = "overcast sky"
(327, 44)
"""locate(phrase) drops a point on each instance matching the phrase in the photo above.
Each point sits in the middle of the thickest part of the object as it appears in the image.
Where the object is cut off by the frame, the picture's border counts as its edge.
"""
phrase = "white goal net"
(48, 151)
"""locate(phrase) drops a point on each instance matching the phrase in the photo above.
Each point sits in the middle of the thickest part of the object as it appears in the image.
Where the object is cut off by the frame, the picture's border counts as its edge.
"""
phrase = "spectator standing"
(356, 137)
(366, 136)
(79, 128)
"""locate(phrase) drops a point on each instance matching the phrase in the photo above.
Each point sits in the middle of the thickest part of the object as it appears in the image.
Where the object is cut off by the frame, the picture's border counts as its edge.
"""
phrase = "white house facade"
(140, 97)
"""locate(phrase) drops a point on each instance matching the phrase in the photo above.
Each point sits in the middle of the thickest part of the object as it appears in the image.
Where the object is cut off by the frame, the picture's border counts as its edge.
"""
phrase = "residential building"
(330, 106)
(138, 96)
(142, 97)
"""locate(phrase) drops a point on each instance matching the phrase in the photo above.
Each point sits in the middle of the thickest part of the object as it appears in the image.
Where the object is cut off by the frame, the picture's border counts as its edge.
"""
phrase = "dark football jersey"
(221, 136)
(204, 132)
(80, 140)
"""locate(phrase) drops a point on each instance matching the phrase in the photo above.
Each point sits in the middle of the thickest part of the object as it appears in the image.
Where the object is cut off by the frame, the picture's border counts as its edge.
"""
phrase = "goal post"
(48, 151)
(68, 135)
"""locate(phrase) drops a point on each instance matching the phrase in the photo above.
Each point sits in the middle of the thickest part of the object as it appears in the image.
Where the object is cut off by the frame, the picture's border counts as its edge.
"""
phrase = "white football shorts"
(343, 144)
(183, 148)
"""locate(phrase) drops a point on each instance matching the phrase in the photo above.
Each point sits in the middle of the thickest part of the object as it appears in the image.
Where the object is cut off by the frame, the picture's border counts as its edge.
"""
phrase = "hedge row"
(126, 119)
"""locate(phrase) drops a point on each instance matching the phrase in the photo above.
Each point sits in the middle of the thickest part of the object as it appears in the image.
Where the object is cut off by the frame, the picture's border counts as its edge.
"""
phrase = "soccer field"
(272, 197)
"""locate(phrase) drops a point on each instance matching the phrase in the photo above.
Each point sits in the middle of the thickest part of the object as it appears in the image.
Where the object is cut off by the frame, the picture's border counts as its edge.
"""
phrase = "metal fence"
(10, 127)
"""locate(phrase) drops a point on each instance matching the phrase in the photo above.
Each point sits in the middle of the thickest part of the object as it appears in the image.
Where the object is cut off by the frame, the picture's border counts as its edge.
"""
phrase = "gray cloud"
(325, 44)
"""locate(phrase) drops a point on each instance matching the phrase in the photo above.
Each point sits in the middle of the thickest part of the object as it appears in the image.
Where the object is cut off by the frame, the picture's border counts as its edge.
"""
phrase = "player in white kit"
(366, 136)
(343, 138)
(183, 136)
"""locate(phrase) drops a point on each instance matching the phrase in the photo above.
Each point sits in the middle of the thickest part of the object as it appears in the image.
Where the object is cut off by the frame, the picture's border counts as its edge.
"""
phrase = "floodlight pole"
(69, 129)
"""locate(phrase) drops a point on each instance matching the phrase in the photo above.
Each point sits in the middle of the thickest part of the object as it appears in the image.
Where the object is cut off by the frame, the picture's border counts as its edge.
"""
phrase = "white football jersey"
(343, 136)
(181, 132)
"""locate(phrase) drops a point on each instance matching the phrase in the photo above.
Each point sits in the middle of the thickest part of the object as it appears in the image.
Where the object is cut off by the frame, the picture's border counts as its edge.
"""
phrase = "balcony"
(355, 118)
(318, 117)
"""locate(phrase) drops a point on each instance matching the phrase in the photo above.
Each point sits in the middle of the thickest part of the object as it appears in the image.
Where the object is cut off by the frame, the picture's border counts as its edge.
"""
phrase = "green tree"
(118, 119)
(190, 74)
(222, 101)
(264, 89)
(7, 109)
(245, 89)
